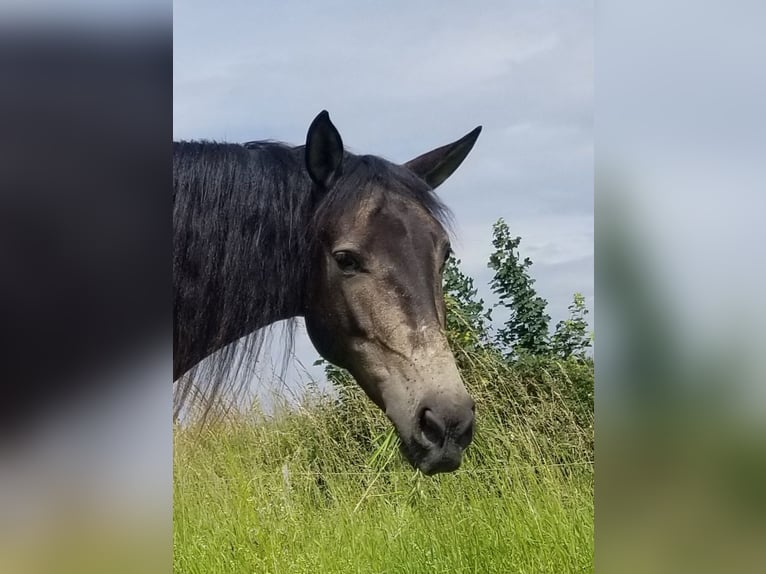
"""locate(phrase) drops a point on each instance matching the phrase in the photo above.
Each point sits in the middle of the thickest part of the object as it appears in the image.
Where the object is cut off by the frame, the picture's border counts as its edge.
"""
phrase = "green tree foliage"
(526, 330)
(466, 316)
(571, 338)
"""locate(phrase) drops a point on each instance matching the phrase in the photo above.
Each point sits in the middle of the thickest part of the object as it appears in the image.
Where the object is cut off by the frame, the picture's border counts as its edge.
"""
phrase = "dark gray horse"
(355, 244)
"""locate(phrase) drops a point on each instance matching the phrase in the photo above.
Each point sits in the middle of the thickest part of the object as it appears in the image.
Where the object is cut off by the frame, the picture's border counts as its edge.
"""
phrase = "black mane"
(245, 218)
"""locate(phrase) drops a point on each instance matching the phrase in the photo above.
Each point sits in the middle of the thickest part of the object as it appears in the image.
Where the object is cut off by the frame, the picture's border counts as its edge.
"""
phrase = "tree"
(466, 317)
(571, 338)
(526, 330)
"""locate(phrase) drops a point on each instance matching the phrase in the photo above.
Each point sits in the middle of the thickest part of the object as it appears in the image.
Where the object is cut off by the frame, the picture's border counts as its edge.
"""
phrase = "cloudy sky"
(400, 78)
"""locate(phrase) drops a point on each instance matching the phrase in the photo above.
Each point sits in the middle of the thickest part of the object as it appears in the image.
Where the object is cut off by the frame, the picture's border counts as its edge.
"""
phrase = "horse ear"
(324, 151)
(437, 165)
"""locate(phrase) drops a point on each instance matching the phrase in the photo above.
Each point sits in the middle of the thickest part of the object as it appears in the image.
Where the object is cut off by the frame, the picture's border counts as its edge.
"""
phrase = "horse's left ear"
(437, 165)
(324, 151)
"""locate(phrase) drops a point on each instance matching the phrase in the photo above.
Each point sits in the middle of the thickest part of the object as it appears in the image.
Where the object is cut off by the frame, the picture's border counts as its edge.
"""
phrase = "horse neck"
(240, 264)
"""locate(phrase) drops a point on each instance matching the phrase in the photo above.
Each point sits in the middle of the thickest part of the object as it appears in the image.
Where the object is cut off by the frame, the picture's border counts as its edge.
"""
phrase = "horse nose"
(445, 424)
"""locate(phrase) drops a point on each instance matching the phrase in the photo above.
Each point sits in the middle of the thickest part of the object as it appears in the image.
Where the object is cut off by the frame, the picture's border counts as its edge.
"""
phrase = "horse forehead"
(389, 221)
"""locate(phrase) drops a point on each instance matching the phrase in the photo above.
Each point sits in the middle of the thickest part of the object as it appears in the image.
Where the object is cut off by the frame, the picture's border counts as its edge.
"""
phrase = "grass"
(321, 487)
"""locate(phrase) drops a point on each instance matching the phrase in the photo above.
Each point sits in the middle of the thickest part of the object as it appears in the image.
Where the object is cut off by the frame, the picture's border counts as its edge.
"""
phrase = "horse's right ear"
(324, 151)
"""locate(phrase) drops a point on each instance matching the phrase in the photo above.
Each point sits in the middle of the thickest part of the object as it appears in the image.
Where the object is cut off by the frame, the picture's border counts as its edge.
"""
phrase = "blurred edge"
(680, 277)
(85, 211)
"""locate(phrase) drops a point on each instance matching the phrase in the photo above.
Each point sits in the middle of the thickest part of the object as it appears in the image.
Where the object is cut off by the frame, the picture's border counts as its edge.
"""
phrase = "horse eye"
(346, 261)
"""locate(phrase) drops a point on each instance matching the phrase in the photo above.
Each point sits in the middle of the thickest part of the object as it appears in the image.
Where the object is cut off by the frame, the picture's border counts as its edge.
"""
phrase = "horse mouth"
(431, 461)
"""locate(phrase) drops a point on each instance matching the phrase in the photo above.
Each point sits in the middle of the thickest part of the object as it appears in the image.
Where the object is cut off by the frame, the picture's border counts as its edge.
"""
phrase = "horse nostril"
(433, 427)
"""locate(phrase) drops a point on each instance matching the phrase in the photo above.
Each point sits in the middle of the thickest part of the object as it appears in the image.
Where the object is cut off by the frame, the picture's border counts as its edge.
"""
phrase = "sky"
(400, 78)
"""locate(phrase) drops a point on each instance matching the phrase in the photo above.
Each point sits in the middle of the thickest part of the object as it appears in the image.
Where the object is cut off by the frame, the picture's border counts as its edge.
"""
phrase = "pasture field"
(320, 486)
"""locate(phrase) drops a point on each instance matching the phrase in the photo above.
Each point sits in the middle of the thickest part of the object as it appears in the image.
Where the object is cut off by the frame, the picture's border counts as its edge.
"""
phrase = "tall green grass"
(321, 487)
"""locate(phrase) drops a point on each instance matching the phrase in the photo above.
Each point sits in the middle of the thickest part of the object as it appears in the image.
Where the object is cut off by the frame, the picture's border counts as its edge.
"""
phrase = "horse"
(354, 244)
